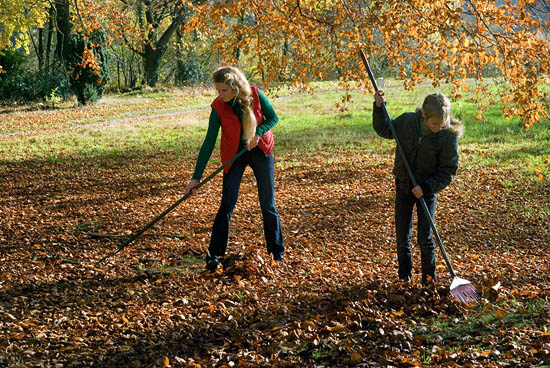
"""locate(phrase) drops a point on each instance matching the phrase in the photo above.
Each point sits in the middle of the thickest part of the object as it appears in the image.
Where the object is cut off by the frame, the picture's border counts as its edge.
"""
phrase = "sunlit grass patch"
(150, 120)
(486, 328)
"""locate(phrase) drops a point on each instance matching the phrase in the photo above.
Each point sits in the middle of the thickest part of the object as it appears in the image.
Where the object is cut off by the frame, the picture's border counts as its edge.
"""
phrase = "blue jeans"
(404, 204)
(262, 167)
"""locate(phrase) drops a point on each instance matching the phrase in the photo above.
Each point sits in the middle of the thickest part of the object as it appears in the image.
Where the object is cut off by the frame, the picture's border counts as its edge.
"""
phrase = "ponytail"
(235, 79)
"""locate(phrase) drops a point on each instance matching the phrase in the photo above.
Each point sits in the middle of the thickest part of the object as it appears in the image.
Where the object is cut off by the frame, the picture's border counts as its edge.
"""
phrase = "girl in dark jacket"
(246, 118)
(429, 138)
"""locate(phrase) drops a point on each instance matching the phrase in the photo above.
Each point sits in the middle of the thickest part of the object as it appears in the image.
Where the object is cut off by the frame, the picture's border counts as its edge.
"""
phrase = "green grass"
(313, 123)
(309, 122)
(89, 226)
(487, 320)
(484, 323)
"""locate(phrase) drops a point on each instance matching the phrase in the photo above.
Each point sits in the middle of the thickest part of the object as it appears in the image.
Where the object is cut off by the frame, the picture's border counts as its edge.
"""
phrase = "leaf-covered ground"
(335, 302)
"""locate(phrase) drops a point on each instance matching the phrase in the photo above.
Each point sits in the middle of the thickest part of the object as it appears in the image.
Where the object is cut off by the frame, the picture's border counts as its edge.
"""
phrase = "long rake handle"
(411, 175)
(174, 205)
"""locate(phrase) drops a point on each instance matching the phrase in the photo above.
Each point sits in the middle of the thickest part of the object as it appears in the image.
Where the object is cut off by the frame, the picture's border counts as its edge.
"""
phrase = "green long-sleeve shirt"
(214, 123)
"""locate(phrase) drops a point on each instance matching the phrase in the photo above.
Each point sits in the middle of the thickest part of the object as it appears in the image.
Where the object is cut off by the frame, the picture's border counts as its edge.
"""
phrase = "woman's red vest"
(231, 128)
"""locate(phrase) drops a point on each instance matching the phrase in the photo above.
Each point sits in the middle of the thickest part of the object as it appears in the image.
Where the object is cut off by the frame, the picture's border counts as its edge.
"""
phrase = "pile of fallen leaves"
(334, 302)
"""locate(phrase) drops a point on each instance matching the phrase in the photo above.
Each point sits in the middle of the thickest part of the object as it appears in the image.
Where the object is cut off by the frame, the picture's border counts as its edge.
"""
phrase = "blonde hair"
(439, 106)
(235, 79)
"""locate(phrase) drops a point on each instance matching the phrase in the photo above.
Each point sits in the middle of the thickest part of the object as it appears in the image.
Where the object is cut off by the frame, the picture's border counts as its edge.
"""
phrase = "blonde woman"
(246, 118)
(429, 138)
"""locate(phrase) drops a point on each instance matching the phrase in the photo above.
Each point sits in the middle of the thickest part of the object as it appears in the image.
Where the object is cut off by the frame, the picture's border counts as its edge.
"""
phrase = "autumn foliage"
(88, 74)
(336, 301)
(16, 17)
(449, 41)
(308, 40)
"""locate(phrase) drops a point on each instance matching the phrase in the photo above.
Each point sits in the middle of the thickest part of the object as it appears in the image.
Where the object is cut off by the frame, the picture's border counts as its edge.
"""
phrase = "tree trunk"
(64, 26)
(118, 74)
(151, 59)
(50, 36)
(180, 64)
(40, 53)
(152, 56)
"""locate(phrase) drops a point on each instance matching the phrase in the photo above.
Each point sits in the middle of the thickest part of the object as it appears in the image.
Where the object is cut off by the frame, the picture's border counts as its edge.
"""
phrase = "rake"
(463, 290)
(169, 209)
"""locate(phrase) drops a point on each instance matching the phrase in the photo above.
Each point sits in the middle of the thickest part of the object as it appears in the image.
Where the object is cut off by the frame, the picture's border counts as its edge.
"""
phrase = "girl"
(429, 138)
(246, 118)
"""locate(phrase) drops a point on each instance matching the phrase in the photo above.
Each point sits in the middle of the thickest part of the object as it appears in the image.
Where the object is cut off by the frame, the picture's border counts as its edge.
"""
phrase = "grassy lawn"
(176, 122)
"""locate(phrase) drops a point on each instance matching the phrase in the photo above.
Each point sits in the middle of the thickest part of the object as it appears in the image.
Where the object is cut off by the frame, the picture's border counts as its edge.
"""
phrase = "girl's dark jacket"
(433, 158)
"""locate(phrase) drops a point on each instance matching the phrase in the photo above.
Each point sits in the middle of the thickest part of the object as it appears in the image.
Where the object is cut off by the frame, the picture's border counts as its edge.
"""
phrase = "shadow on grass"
(46, 206)
(520, 153)
(49, 293)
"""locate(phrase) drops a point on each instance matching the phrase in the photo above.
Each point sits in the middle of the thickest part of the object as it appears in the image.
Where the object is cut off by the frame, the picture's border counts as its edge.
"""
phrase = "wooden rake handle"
(407, 166)
(169, 209)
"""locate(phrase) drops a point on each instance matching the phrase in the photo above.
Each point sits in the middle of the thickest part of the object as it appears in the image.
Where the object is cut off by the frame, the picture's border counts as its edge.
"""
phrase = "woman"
(246, 118)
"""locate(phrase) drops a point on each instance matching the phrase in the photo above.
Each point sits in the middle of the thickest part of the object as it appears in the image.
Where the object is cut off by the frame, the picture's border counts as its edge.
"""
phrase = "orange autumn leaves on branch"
(306, 40)
(439, 41)
(90, 61)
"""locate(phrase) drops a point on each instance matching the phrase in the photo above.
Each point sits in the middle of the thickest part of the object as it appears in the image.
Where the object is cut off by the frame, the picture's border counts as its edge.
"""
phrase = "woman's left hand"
(253, 142)
(417, 191)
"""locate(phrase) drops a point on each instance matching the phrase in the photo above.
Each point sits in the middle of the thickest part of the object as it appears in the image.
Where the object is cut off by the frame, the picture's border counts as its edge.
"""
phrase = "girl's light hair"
(235, 79)
(439, 106)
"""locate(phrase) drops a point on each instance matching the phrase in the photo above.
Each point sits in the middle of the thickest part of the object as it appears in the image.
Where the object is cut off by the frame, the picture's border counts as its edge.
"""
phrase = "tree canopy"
(442, 41)
(304, 40)
(17, 17)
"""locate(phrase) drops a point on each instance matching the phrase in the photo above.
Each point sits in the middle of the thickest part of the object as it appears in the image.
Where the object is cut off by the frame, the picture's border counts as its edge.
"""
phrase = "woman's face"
(225, 92)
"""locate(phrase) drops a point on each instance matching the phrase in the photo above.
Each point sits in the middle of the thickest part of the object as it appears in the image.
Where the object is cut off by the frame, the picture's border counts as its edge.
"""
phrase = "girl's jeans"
(262, 167)
(404, 203)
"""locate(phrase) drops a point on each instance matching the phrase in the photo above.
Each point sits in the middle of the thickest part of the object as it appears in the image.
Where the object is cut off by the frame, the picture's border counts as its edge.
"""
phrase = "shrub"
(53, 100)
(87, 66)
(14, 81)
(11, 61)
(189, 73)
(189, 70)
(19, 83)
(54, 79)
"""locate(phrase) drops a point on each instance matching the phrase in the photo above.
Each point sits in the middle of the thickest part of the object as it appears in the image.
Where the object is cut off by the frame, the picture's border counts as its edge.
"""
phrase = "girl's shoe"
(212, 263)
(279, 258)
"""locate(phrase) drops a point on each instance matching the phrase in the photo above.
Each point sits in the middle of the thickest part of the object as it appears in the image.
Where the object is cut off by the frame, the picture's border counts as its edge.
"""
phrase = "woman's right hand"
(189, 188)
(379, 98)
